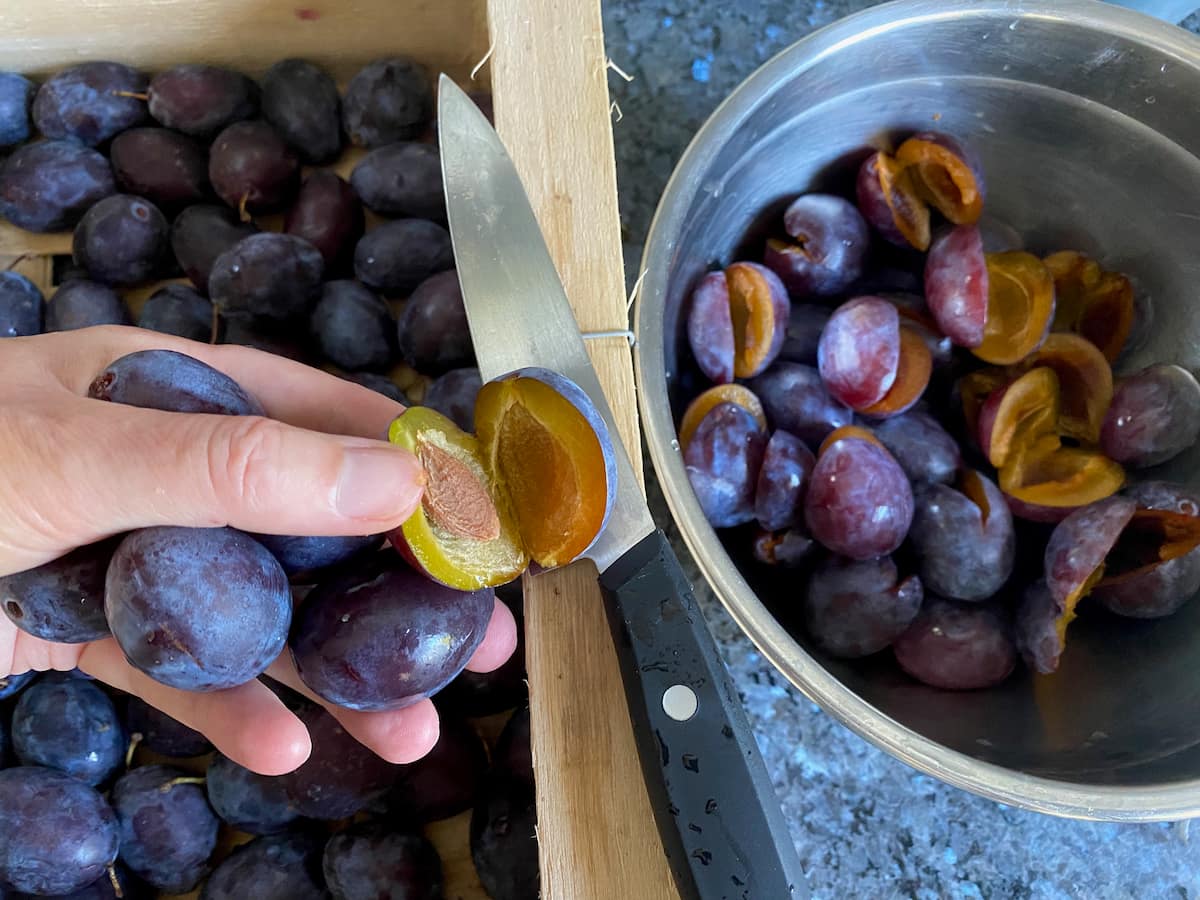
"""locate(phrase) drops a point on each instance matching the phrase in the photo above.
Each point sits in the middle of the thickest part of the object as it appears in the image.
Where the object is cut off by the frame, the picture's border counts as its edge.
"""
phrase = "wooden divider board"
(597, 834)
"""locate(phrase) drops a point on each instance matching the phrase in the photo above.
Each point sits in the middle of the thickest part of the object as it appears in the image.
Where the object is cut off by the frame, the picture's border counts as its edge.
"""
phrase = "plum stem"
(136, 95)
(242, 214)
(17, 260)
(216, 324)
(134, 739)
(116, 882)
(175, 782)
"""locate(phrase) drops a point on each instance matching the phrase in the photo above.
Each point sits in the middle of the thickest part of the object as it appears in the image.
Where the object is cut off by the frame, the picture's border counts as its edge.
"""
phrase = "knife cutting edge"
(716, 810)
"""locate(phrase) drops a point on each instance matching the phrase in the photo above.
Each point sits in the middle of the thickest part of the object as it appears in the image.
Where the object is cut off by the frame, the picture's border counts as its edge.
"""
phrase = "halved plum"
(1040, 639)
(946, 174)
(1018, 413)
(912, 377)
(706, 400)
(782, 481)
(538, 483)
(737, 321)
(957, 646)
(1085, 384)
(1091, 302)
(956, 285)
(889, 200)
(1020, 307)
(856, 608)
(859, 353)
(1046, 476)
(829, 241)
(723, 460)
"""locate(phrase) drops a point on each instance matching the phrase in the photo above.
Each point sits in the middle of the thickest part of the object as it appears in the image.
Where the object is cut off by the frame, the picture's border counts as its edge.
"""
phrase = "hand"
(78, 470)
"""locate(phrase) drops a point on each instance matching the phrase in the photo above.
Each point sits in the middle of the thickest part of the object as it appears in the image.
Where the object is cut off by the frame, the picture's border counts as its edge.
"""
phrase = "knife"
(717, 813)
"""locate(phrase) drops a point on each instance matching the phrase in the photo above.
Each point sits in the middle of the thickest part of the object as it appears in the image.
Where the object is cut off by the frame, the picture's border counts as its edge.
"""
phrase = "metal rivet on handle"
(679, 702)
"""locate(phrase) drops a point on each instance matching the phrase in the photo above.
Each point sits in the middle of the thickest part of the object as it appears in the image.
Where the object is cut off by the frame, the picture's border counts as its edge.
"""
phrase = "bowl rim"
(1141, 803)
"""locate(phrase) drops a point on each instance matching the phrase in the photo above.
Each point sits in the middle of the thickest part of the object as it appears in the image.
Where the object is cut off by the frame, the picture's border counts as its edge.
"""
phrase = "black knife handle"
(717, 812)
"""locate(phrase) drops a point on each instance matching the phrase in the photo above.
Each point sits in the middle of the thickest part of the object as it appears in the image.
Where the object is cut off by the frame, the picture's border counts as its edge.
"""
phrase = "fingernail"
(378, 483)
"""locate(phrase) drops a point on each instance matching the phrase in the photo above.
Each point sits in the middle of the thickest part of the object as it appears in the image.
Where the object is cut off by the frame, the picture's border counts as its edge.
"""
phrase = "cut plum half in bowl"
(535, 483)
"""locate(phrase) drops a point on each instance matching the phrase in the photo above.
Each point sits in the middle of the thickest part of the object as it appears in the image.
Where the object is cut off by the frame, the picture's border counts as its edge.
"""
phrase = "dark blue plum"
(174, 382)
(122, 240)
(513, 755)
(247, 801)
(22, 306)
(80, 303)
(395, 257)
(62, 600)
(504, 838)
(303, 103)
(371, 861)
(200, 234)
(380, 384)
(90, 102)
(11, 685)
(487, 693)
(162, 734)
(386, 637)
(167, 168)
(402, 180)
(49, 185)
(444, 782)
(387, 100)
(201, 100)
(16, 97)
(267, 276)
(305, 558)
(179, 310)
(57, 834)
(341, 776)
(434, 336)
(328, 214)
(168, 830)
(277, 867)
(70, 725)
(252, 168)
(199, 609)
(453, 395)
(354, 327)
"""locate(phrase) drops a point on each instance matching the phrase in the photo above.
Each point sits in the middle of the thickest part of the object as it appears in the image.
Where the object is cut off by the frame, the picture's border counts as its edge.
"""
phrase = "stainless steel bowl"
(1087, 117)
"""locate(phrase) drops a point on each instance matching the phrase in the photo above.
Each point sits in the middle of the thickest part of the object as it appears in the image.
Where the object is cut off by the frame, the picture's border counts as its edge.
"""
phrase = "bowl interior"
(1087, 121)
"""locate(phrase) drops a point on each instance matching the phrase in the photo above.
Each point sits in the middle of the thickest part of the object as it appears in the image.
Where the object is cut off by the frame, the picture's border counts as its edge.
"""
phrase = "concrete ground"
(865, 825)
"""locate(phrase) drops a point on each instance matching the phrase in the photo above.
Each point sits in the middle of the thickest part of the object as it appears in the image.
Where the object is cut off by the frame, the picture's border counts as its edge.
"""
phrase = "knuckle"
(243, 459)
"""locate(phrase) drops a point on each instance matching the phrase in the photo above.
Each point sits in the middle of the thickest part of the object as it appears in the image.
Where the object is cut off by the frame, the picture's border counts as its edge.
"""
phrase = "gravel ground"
(865, 825)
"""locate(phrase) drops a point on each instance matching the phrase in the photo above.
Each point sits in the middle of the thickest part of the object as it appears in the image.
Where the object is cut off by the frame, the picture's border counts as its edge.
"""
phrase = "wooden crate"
(547, 71)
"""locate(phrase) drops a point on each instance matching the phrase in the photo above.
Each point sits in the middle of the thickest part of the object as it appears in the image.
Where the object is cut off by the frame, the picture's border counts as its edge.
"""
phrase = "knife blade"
(722, 828)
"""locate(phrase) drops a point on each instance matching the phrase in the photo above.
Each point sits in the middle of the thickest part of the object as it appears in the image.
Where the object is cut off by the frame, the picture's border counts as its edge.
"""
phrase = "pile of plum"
(106, 797)
(920, 416)
(177, 178)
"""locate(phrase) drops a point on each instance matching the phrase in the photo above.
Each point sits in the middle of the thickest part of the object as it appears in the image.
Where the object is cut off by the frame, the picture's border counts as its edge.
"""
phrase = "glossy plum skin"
(161, 734)
(395, 257)
(853, 609)
(386, 638)
(122, 240)
(476, 694)
(57, 834)
(965, 554)
(328, 214)
(723, 461)
(180, 310)
(1163, 588)
(341, 777)
(167, 168)
(16, 98)
(306, 558)
(1081, 541)
(190, 623)
(956, 285)
(70, 725)
(251, 167)
(173, 382)
(301, 100)
(433, 331)
(200, 234)
(267, 276)
(403, 180)
(11, 685)
(828, 247)
(247, 801)
(859, 352)
(1036, 628)
(710, 328)
(795, 399)
(1154, 416)
(388, 100)
(200, 100)
(782, 481)
(168, 831)
(859, 502)
(81, 303)
(453, 395)
(85, 103)
(444, 782)
(957, 646)
(371, 861)
(49, 185)
(22, 306)
(353, 327)
(62, 600)
(276, 867)
(923, 448)
(503, 838)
